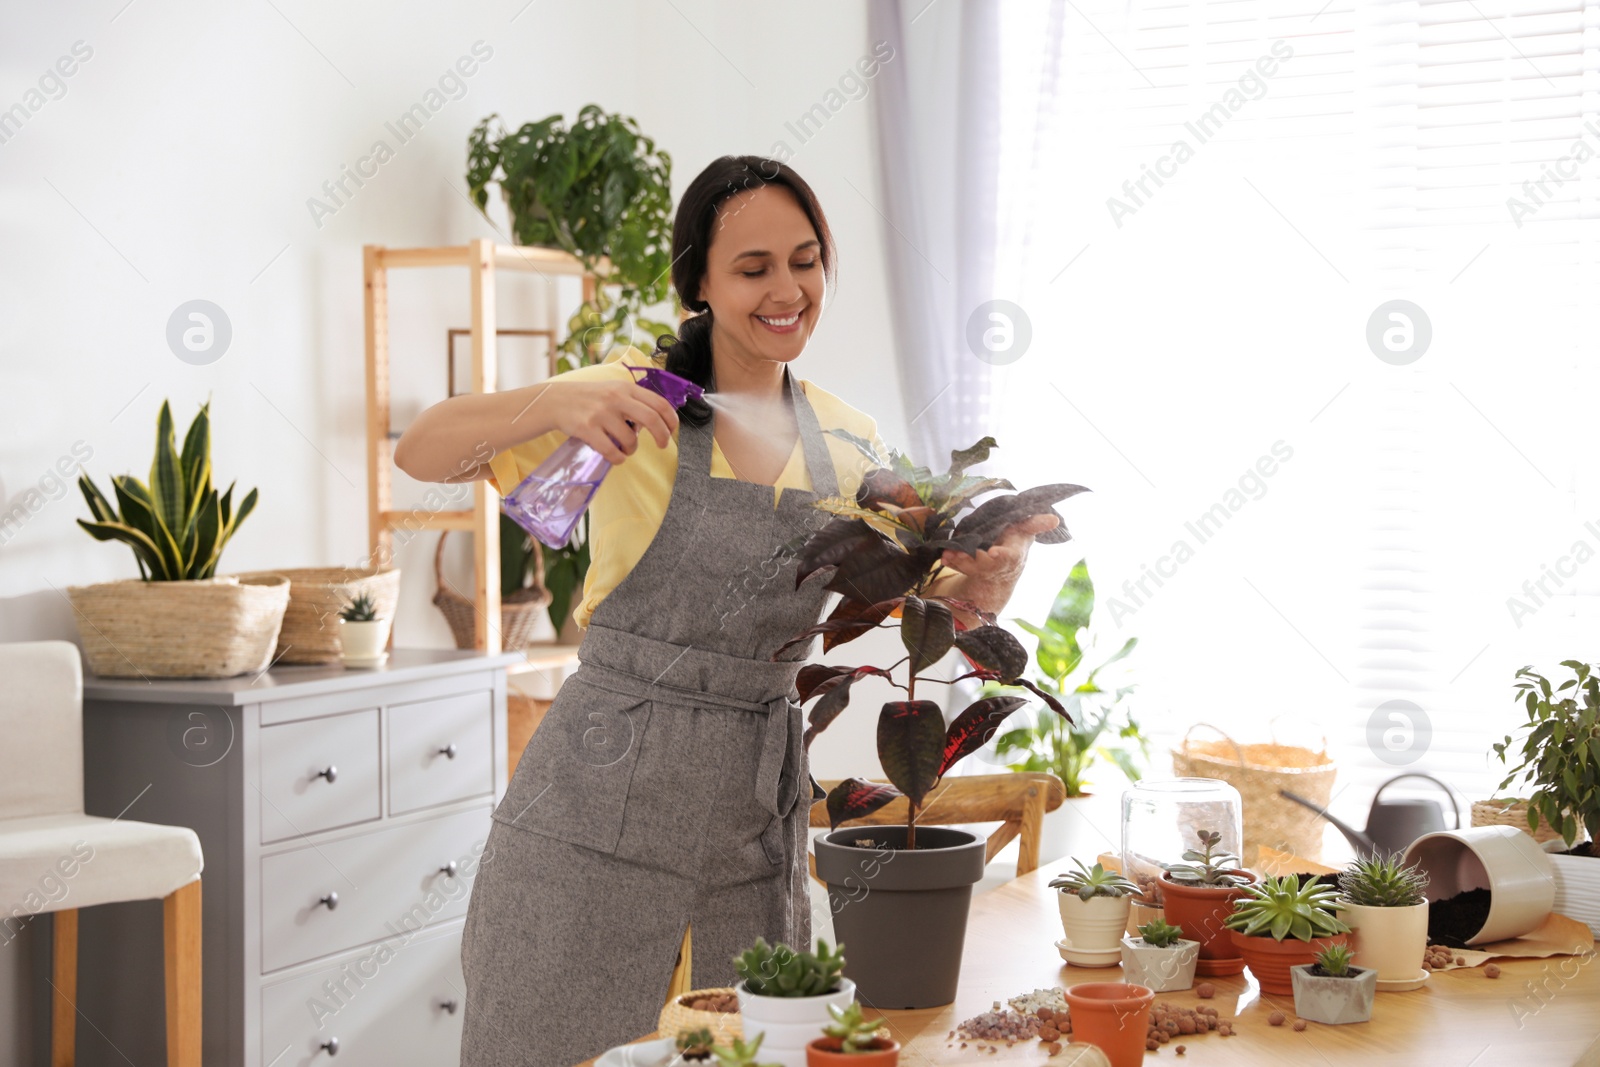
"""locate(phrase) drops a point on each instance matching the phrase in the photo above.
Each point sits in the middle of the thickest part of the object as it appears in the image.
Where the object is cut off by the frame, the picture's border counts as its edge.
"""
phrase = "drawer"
(388, 884)
(441, 750)
(386, 1005)
(297, 796)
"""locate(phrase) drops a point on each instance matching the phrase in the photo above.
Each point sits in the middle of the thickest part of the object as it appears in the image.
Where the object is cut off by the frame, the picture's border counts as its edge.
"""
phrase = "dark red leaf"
(972, 729)
(993, 647)
(854, 798)
(990, 519)
(911, 745)
(927, 631)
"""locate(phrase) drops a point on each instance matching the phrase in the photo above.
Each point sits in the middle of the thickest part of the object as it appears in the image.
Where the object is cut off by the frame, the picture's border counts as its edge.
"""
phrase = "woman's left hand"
(989, 576)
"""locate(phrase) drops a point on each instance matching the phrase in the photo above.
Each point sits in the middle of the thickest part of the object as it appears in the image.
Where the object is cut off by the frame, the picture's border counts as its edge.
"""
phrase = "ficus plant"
(1560, 751)
(883, 549)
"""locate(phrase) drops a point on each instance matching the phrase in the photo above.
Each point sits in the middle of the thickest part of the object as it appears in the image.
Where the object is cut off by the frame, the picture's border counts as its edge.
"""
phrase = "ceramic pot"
(363, 642)
(1112, 1016)
(1501, 859)
(903, 912)
(1333, 1000)
(1093, 928)
(1161, 970)
(1201, 911)
(1390, 941)
(1577, 888)
(825, 1052)
(1269, 959)
(789, 1023)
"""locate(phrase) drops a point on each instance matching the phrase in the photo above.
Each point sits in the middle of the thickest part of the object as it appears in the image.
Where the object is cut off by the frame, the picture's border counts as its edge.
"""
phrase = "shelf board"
(420, 519)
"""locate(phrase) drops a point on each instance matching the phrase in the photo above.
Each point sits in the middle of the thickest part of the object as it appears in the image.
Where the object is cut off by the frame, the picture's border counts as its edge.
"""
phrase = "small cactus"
(855, 1034)
(741, 1054)
(782, 972)
(695, 1044)
(1159, 934)
(1384, 881)
(1334, 961)
(360, 609)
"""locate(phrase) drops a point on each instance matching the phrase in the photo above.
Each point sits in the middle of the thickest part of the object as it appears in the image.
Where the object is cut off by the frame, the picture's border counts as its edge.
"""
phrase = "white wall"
(177, 165)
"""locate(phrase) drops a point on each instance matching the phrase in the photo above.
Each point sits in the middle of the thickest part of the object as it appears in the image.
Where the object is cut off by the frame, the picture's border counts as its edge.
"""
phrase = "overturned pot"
(902, 913)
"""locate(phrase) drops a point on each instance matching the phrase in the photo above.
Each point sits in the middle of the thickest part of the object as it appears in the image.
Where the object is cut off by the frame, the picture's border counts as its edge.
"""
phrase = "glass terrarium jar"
(1161, 818)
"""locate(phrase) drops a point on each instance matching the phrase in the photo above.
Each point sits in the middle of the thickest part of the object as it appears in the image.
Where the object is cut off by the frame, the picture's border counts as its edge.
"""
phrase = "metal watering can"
(1391, 824)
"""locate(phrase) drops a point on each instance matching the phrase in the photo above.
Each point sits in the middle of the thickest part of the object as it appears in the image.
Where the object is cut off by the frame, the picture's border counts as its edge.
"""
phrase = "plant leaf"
(994, 648)
(927, 630)
(972, 729)
(911, 745)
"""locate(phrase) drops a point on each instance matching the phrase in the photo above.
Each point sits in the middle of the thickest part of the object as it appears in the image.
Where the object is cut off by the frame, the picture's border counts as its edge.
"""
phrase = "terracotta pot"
(1202, 911)
(1270, 959)
(1112, 1016)
(825, 1052)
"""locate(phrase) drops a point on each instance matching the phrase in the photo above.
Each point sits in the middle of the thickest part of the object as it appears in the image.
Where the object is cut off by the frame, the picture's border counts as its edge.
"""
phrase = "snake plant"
(176, 524)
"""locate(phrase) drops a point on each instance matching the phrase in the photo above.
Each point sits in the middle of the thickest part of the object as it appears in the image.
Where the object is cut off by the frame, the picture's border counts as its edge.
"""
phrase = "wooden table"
(1538, 1013)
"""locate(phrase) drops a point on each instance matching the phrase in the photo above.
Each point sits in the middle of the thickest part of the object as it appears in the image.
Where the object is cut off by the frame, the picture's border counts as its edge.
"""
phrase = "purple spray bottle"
(549, 502)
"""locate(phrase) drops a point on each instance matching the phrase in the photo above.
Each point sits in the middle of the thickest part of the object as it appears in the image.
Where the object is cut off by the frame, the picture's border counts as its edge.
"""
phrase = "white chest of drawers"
(341, 814)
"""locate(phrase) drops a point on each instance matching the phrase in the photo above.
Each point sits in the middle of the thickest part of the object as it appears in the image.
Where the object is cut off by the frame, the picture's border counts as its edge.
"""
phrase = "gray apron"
(667, 786)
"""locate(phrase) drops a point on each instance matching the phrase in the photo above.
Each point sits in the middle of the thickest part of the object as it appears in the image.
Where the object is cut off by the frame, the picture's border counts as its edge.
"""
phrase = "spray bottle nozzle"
(676, 389)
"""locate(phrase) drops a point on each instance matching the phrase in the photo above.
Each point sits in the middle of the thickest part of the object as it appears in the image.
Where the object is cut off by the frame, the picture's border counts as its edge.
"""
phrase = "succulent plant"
(780, 971)
(1335, 961)
(1159, 934)
(360, 609)
(1384, 881)
(1208, 865)
(1282, 907)
(695, 1044)
(741, 1053)
(855, 1034)
(1094, 883)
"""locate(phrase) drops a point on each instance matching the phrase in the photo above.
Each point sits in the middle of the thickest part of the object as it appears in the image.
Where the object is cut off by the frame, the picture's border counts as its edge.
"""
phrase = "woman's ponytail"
(689, 356)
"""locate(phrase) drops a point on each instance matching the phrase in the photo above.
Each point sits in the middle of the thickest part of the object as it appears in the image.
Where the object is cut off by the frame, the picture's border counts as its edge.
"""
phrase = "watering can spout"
(1358, 839)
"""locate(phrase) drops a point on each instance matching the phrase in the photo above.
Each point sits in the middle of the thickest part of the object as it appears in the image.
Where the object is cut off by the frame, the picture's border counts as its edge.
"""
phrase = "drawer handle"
(449, 869)
(448, 751)
(331, 1045)
(449, 1006)
(331, 900)
(330, 772)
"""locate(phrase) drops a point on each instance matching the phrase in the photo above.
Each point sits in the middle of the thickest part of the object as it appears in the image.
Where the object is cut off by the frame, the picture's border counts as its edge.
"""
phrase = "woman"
(667, 789)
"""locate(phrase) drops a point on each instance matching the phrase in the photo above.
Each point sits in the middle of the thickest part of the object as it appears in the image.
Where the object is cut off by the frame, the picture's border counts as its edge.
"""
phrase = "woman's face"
(763, 276)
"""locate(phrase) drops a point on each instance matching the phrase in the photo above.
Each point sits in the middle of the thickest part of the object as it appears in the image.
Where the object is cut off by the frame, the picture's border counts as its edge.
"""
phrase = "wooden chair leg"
(1032, 825)
(64, 989)
(683, 973)
(181, 925)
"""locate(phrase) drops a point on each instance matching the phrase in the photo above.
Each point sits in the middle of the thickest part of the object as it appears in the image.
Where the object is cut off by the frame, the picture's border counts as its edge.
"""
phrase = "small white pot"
(790, 1023)
(1333, 1000)
(1578, 888)
(362, 643)
(1501, 859)
(1391, 941)
(1093, 928)
(1161, 970)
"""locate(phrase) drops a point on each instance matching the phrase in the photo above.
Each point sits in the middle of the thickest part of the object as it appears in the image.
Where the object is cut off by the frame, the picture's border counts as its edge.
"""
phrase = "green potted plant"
(362, 634)
(852, 1041)
(883, 548)
(785, 995)
(1285, 921)
(694, 1044)
(1385, 903)
(1199, 896)
(740, 1052)
(1094, 907)
(1559, 758)
(1161, 959)
(1070, 664)
(179, 619)
(1330, 990)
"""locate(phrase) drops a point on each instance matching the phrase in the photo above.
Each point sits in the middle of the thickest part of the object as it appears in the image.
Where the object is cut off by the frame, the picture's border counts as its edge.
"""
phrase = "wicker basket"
(519, 612)
(724, 1026)
(1497, 813)
(310, 631)
(1258, 771)
(203, 628)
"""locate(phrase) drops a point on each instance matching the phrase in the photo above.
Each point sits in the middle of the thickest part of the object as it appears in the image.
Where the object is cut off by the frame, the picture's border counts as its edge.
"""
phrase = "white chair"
(54, 858)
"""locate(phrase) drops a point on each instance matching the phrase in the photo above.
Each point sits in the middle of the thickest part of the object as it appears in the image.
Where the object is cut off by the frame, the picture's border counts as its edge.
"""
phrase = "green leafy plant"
(1098, 882)
(780, 971)
(1560, 753)
(1209, 865)
(1384, 881)
(694, 1044)
(1100, 730)
(1334, 960)
(177, 524)
(1283, 907)
(360, 609)
(884, 548)
(855, 1034)
(741, 1053)
(1159, 934)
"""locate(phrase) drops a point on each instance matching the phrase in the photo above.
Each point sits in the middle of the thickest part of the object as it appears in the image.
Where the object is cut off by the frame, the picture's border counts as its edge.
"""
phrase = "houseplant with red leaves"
(901, 894)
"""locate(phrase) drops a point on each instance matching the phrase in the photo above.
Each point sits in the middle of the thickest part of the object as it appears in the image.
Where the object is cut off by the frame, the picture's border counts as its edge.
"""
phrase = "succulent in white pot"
(785, 995)
(1160, 958)
(1385, 904)
(1094, 913)
(362, 634)
(1331, 990)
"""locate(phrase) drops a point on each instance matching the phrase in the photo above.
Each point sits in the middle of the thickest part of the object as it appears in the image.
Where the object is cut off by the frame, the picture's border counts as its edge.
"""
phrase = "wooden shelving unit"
(483, 259)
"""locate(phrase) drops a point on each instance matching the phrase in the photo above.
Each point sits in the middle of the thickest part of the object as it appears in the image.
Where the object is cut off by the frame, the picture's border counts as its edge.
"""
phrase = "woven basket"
(310, 632)
(1258, 771)
(519, 612)
(203, 628)
(1496, 813)
(724, 1026)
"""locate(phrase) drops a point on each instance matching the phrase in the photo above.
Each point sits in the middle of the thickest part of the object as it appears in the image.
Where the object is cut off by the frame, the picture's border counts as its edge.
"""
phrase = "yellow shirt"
(628, 507)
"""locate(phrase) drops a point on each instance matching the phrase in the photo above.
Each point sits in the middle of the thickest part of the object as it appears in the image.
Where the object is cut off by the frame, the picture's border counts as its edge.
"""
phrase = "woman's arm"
(989, 578)
(454, 440)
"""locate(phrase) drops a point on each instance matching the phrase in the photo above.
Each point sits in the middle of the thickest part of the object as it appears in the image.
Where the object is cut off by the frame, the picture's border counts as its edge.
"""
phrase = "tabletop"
(1538, 1013)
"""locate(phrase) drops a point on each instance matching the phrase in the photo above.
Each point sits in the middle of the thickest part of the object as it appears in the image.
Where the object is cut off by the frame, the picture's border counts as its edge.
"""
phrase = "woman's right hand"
(606, 415)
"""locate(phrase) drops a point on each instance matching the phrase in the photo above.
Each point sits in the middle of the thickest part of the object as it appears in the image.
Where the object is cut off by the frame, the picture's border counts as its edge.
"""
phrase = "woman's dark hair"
(688, 354)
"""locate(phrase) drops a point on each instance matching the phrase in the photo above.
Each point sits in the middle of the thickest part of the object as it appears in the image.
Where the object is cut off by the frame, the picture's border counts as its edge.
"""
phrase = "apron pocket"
(573, 779)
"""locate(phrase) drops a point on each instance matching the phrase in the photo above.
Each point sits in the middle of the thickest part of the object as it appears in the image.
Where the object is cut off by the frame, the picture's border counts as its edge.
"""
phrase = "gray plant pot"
(1333, 1000)
(1161, 970)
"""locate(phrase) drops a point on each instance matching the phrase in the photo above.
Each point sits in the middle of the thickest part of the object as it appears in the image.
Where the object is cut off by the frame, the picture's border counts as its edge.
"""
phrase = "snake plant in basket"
(882, 549)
